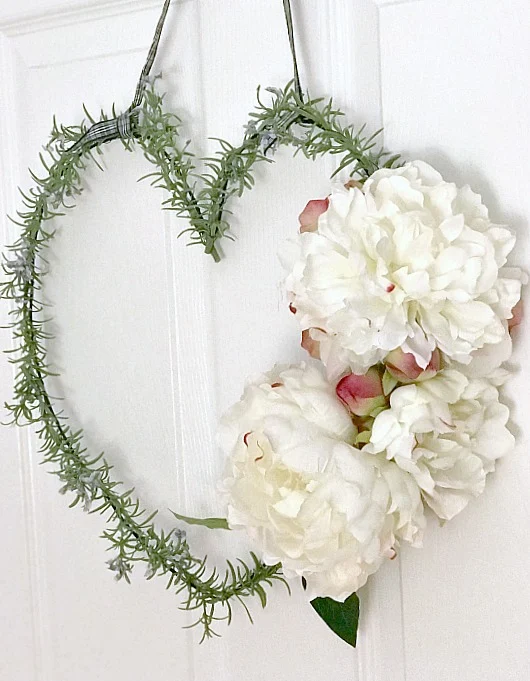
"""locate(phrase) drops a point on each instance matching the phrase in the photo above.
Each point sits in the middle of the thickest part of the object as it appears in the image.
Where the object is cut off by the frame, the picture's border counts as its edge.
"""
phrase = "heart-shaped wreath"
(399, 286)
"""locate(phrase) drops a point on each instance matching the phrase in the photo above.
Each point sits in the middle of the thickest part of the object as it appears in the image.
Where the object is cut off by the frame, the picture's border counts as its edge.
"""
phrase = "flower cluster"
(408, 261)
(404, 297)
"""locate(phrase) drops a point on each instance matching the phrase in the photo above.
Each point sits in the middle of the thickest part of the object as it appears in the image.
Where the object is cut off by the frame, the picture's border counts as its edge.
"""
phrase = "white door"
(154, 340)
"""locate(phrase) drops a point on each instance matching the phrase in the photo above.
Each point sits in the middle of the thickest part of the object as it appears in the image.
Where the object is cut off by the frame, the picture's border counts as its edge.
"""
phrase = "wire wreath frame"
(312, 127)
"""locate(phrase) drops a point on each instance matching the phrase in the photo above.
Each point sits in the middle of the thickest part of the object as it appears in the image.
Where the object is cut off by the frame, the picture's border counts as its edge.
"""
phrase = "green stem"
(215, 254)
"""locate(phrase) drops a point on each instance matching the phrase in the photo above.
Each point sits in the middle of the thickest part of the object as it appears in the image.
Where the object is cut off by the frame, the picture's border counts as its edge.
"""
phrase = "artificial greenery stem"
(312, 127)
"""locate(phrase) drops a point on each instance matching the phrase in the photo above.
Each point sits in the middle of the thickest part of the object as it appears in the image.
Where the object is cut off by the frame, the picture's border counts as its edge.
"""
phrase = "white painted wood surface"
(154, 341)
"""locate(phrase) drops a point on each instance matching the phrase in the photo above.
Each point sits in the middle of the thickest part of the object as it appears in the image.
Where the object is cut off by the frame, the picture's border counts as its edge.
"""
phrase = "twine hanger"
(123, 126)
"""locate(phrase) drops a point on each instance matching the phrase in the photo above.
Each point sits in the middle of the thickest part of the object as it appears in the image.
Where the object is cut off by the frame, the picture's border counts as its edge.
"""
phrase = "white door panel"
(455, 93)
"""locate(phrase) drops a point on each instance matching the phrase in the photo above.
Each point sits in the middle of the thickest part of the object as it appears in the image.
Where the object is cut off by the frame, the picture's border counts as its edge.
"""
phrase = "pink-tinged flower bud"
(517, 316)
(362, 394)
(309, 216)
(309, 344)
(403, 366)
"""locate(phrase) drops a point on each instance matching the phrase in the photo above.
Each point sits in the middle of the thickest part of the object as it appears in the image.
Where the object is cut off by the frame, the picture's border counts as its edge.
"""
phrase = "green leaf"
(375, 412)
(210, 523)
(389, 382)
(363, 437)
(341, 618)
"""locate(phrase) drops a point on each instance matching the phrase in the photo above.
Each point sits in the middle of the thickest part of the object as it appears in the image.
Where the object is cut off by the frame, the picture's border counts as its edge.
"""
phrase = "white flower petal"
(305, 496)
(410, 261)
(459, 430)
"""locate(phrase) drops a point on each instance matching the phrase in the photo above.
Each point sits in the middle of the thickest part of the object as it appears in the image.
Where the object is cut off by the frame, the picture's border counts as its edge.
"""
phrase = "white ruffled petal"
(305, 496)
(411, 261)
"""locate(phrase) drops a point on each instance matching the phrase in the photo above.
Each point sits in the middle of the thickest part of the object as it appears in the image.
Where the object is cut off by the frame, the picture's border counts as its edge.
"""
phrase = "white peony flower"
(303, 493)
(406, 504)
(411, 262)
(447, 432)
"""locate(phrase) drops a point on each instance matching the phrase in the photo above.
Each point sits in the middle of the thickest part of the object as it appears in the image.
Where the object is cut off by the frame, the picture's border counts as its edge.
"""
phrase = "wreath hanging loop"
(123, 126)
(290, 33)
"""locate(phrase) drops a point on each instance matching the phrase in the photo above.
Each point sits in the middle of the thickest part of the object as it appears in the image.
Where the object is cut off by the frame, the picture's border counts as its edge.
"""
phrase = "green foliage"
(389, 382)
(341, 618)
(133, 538)
(313, 127)
(210, 523)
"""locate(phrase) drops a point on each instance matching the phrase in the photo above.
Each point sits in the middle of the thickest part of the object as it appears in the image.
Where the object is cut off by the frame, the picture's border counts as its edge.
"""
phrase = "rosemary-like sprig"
(313, 129)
